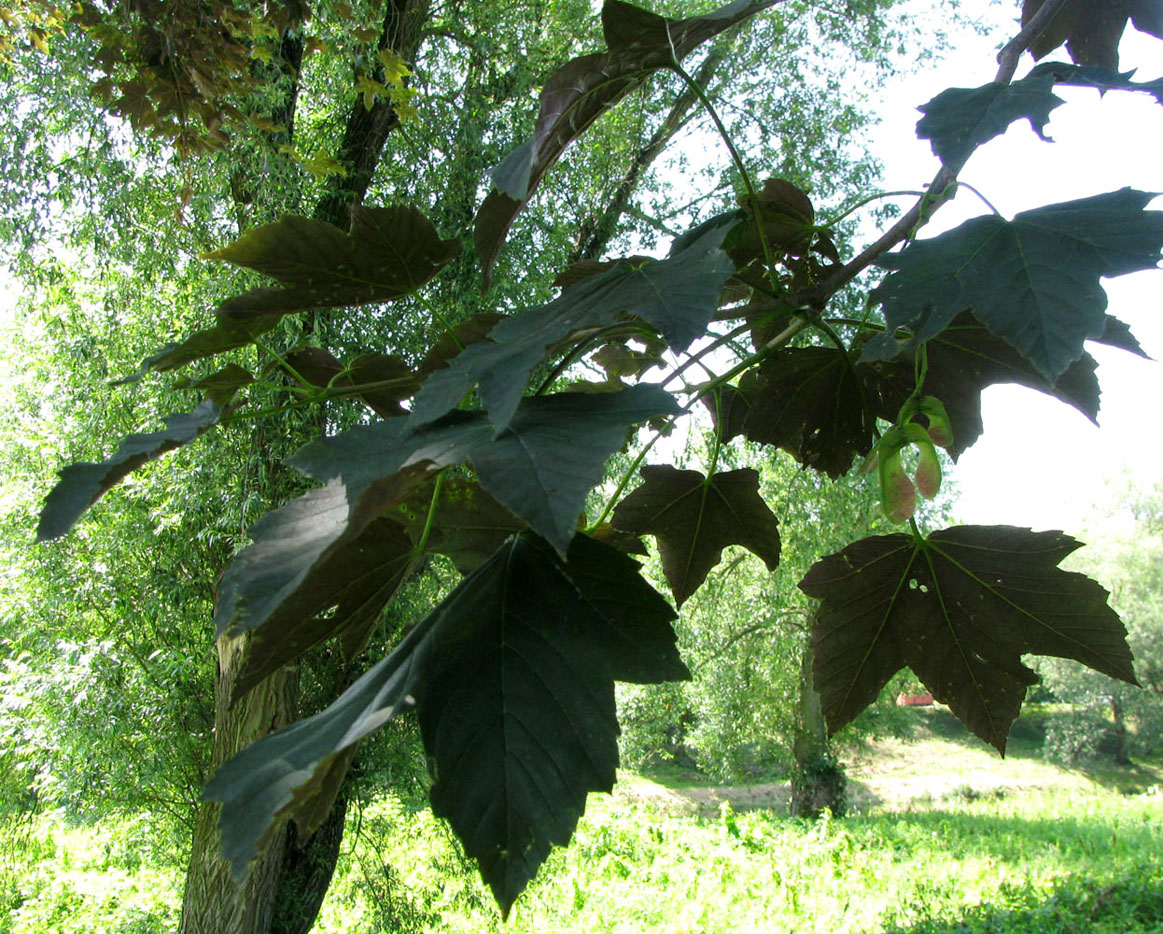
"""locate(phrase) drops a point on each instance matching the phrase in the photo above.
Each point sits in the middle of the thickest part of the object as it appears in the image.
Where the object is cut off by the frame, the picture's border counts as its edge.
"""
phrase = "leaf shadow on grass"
(1133, 779)
(1077, 904)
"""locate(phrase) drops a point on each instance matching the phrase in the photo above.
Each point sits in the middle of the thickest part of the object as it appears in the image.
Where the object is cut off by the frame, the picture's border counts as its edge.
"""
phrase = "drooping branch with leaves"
(493, 452)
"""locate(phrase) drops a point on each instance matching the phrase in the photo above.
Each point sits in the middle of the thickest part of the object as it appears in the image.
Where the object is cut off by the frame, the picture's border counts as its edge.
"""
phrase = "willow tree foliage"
(1112, 719)
(491, 447)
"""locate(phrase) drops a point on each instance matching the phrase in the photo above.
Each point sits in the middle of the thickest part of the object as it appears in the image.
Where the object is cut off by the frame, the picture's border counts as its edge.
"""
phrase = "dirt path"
(890, 774)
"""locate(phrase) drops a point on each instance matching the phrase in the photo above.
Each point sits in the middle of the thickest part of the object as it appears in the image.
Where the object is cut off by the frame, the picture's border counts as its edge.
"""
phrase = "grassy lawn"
(1080, 858)
(947, 837)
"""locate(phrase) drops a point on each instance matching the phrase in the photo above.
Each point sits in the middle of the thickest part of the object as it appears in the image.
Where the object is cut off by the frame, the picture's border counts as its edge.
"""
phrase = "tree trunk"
(1119, 728)
(289, 879)
(819, 781)
(214, 902)
(306, 872)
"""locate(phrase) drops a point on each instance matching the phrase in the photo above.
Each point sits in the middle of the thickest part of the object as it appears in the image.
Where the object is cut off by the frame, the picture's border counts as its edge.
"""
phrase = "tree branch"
(944, 184)
(367, 129)
(596, 232)
(1012, 51)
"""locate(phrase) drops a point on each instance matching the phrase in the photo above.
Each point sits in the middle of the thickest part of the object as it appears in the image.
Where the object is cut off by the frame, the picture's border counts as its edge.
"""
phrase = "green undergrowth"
(1043, 860)
(117, 876)
(1054, 861)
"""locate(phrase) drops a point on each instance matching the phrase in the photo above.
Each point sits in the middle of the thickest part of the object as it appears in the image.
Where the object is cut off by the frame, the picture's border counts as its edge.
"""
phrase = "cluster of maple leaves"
(512, 674)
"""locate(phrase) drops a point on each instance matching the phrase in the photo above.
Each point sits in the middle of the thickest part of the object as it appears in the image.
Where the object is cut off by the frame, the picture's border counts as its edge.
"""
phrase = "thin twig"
(1012, 51)
(944, 184)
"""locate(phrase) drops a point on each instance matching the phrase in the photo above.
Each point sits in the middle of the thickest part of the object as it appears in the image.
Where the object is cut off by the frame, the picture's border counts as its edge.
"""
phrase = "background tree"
(1110, 718)
(750, 708)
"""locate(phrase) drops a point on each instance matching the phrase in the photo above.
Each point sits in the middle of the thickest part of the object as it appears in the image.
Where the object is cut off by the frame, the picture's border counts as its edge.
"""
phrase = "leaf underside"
(809, 401)
(540, 468)
(1012, 274)
(518, 720)
(513, 674)
(695, 517)
(677, 295)
(958, 120)
(638, 43)
(321, 368)
(963, 360)
(960, 608)
(1092, 31)
(390, 252)
(81, 485)
(344, 596)
(467, 525)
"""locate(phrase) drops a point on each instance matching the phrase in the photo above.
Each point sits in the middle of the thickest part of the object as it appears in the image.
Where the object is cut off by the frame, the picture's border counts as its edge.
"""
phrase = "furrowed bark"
(213, 900)
(289, 880)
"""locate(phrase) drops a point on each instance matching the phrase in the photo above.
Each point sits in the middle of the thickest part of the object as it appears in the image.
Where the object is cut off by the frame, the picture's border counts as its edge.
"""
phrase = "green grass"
(1025, 749)
(1043, 861)
(1054, 852)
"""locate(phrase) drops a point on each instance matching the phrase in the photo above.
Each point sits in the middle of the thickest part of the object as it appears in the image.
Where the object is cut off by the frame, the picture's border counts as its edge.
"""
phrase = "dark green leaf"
(449, 344)
(960, 608)
(81, 485)
(809, 402)
(294, 546)
(518, 715)
(958, 120)
(541, 468)
(554, 453)
(695, 517)
(222, 387)
(1101, 79)
(1033, 281)
(520, 630)
(356, 580)
(1118, 334)
(788, 224)
(468, 524)
(639, 645)
(677, 295)
(1092, 30)
(321, 368)
(271, 780)
(226, 334)
(389, 253)
(729, 407)
(639, 43)
(963, 360)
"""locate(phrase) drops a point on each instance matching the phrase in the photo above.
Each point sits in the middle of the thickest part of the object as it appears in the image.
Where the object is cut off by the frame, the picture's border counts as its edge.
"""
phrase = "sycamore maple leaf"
(960, 608)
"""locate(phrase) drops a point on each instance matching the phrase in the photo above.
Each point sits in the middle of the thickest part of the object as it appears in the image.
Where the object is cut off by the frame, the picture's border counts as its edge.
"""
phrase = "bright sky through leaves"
(1041, 463)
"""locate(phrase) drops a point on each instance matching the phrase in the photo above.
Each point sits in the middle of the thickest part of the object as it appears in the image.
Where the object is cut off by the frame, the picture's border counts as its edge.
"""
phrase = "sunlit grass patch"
(1071, 856)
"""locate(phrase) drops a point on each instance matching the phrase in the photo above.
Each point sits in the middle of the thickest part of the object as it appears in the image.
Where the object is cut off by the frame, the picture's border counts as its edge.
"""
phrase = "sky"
(1040, 463)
